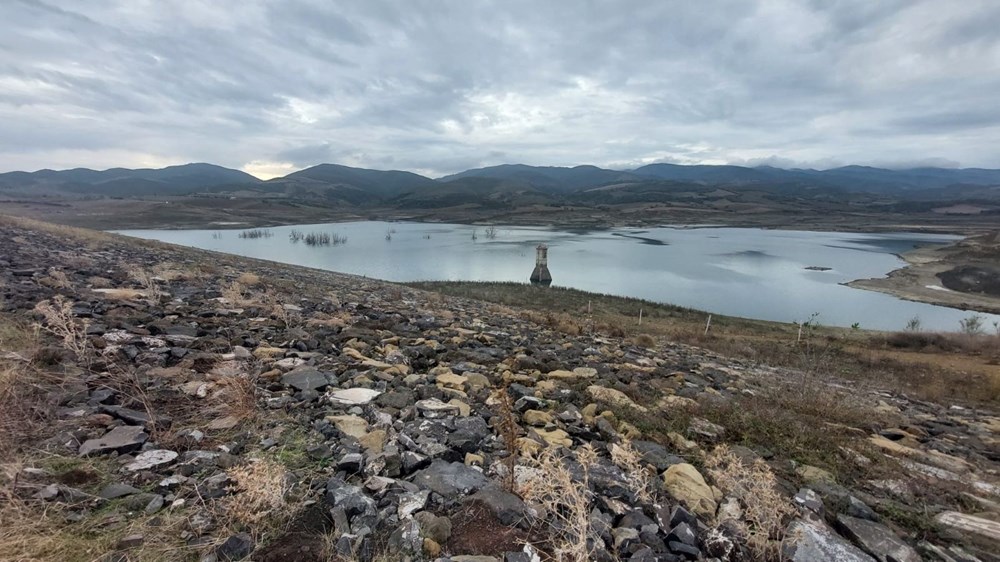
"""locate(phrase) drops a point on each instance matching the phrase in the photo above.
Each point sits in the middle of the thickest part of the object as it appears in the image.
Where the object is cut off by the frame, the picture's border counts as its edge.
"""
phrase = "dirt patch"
(78, 477)
(478, 532)
(304, 542)
(294, 547)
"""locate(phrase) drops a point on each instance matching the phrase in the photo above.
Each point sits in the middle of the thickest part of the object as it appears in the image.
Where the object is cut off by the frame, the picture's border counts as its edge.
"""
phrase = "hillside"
(179, 404)
(172, 180)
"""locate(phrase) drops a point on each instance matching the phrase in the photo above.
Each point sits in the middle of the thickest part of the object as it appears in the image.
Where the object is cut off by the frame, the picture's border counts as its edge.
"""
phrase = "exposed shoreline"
(918, 280)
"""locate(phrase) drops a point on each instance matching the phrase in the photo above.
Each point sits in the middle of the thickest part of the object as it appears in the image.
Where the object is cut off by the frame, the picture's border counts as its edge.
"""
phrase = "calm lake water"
(753, 273)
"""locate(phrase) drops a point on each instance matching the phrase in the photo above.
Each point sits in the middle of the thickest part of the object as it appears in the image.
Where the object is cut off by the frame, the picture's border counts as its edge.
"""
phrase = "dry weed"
(60, 321)
(566, 500)
(645, 340)
(237, 294)
(640, 480)
(509, 430)
(56, 279)
(765, 509)
(248, 279)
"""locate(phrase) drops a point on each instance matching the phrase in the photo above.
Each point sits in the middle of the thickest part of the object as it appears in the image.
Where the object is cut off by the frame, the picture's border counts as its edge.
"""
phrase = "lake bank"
(779, 275)
(921, 279)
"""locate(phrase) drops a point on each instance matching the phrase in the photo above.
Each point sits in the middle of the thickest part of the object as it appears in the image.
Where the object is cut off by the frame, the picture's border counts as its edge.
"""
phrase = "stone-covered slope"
(223, 408)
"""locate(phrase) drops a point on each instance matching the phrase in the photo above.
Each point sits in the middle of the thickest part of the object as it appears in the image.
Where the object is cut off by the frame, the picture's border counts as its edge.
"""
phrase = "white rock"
(151, 459)
(353, 396)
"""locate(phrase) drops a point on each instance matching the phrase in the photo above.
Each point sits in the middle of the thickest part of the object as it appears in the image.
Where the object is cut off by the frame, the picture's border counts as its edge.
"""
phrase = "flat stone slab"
(970, 524)
(353, 396)
(151, 459)
(814, 541)
(355, 426)
(308, 379)
(122, 439)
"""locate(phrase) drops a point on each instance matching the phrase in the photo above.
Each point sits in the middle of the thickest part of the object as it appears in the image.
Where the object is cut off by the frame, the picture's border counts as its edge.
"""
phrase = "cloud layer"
(437, 87)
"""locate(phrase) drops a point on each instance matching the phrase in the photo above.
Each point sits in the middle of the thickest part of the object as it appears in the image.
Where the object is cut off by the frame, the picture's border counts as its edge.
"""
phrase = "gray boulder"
(808, 540)
(508, 508)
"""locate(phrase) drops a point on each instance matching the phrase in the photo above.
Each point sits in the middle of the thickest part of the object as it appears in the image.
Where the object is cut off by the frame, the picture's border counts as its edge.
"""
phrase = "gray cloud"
(437, 87)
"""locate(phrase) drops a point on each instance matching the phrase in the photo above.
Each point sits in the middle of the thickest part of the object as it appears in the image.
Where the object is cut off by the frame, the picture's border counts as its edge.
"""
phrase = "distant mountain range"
(517, 184)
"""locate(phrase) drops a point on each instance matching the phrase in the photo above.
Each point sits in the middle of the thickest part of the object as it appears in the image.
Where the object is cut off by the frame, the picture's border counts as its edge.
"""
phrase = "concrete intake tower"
(541, 275)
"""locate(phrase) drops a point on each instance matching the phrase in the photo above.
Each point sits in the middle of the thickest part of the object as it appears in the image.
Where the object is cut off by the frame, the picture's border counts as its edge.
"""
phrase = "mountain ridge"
(509, 183)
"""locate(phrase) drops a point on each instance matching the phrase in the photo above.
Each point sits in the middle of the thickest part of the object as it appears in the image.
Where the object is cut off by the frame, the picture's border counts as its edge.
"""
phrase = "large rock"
(348, 497)
(450, 479)
(354, 426)
(685, 483)
(876, 539)
(814, 541)
(656, 455)
(613, 397)
(122, 439)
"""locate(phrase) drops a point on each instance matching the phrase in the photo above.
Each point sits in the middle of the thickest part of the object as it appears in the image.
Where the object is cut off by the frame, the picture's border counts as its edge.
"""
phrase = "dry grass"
(59, 320)
(565, 499)
(259, 504)
(765, 509)
(18, 342)
(239, 395)
(92, 239)
(146, 280)
(35, 531)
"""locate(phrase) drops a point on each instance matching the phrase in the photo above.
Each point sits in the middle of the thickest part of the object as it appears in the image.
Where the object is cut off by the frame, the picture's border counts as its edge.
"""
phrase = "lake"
(753, 273)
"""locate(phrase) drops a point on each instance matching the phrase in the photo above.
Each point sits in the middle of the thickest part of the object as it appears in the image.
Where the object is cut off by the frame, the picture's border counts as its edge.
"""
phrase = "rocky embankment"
(218, 408)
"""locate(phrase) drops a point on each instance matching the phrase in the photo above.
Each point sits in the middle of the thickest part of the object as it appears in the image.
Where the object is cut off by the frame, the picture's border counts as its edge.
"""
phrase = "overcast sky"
(440, 86)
